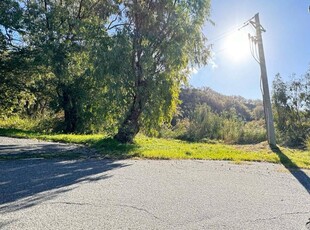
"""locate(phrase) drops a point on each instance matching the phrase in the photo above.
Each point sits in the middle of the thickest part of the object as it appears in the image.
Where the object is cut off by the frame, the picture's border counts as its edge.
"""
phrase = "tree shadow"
(107, 148)
(47, 151)
(300, 175)
(112, 149)
(25, 183)
(21, 149)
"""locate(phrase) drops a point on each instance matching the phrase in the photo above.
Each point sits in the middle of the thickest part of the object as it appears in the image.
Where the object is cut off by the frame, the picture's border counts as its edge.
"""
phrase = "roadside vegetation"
(158, 148)
(100, 73)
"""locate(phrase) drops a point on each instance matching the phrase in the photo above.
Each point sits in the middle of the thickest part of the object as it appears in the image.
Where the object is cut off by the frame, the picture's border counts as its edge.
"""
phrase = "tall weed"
(15, 122)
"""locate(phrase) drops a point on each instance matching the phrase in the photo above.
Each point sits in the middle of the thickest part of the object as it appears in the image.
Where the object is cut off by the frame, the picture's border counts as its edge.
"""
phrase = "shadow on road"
(300, 175)
(37, 147)
(25, 183)
(43, 150)
(10, 149)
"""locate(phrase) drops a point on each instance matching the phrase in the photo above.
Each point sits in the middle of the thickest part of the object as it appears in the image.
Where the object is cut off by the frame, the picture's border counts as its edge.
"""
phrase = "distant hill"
(246, 109)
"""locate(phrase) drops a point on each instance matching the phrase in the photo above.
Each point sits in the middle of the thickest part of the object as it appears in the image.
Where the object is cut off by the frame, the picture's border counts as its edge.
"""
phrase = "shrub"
(207, 125)
(204, 124)
(15, 122)
(177, 131)
(253, 132)
(44, 125)
(231, 131)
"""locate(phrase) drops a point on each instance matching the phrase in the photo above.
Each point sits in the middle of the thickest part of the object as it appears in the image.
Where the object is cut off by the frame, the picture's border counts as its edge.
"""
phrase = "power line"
(221, 50)
(230, 31)
(224, 34)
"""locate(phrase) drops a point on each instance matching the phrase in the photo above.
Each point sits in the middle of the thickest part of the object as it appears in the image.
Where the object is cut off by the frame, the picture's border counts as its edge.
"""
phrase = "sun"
(236, 46)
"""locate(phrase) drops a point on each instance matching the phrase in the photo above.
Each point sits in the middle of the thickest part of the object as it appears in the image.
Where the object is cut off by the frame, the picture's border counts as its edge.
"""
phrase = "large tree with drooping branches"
(165, 41)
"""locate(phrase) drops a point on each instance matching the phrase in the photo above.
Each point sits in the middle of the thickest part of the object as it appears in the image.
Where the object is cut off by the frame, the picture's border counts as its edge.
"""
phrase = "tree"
(10, 24)
(292, 108)
(21, 84)
(165, 40)
(63, 35)
(12, 58)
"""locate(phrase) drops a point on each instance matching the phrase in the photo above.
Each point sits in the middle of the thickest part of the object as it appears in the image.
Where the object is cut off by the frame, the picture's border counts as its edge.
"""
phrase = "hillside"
(245, 109)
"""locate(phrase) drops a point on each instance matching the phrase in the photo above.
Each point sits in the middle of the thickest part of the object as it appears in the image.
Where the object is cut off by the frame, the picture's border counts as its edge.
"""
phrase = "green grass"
(65, 138)
(155, 148)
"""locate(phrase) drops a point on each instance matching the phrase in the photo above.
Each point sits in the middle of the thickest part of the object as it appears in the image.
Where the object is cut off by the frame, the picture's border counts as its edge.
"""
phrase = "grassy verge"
(65, 138)
(155, 148)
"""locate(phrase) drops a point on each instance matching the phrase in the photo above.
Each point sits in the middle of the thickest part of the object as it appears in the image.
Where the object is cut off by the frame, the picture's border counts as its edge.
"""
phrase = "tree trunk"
(130, 126)
(70, 110)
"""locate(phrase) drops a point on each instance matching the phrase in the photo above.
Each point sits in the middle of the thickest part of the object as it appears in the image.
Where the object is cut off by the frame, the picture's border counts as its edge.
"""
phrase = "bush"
(177, 131)
(43, 125)
(15, 122)
(294, 136)
(53, 124)
(253, 132)
(231, 131)
(207, 125)
(204, 124)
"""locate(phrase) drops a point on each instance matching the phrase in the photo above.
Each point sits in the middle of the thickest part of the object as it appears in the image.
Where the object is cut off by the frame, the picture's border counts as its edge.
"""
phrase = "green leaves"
(292, 108)
(97, 63)
(161, 35)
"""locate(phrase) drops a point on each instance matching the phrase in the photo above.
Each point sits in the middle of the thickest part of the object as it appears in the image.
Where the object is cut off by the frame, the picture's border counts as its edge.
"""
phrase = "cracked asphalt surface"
(145, 194)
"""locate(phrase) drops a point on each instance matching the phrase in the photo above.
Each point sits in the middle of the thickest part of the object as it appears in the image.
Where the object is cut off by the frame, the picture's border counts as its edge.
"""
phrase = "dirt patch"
(263, 146)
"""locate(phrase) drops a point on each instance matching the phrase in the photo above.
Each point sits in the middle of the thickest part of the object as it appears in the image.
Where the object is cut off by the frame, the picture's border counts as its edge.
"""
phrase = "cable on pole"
(253, 48)
(224, 34)
(252, 41)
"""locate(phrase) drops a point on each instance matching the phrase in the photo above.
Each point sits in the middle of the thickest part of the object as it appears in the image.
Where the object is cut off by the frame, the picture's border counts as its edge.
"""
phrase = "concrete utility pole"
(266, 95)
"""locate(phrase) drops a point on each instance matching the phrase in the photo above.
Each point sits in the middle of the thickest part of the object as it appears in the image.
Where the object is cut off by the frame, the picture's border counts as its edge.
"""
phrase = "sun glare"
(236, 46)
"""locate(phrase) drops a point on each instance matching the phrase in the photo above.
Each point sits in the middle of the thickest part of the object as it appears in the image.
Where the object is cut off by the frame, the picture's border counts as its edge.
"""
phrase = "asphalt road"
(29, 147)
(143, 194)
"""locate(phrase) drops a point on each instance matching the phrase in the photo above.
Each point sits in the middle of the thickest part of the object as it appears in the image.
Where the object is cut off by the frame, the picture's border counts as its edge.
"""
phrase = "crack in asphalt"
(308, 224)
(198, 220)
(120, 205)
(140, 209)
(149, 213)
(279, 216)
(164, 221)
(75, 203)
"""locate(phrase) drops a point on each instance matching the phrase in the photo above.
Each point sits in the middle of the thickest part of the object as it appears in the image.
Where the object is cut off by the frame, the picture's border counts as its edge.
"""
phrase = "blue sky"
(286, 45)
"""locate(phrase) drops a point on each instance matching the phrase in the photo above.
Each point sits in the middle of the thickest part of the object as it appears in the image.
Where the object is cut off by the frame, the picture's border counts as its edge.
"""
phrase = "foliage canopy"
(93, 65)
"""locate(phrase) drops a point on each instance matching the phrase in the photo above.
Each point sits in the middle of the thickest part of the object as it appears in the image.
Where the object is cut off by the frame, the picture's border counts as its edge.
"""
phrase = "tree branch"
(120, 24)
(79, 12)
(47, 21)
(114, 20)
